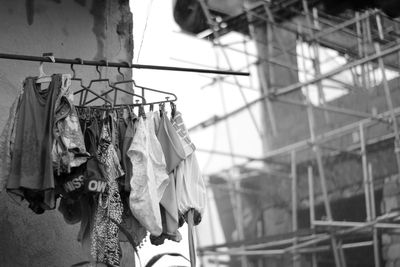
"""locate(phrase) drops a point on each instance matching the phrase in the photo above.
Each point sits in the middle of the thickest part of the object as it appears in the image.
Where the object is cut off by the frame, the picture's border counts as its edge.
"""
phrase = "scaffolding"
(369, 42)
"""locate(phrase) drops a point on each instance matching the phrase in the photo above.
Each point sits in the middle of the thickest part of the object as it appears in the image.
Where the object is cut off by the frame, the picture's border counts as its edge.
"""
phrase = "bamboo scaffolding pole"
(377, 257)
(390, 107)
(340, 110)
(280, 252)
(295, 257)
(276, 243)
(297, 86)
(365, 172)
(321, 171)
(360, 227)
(265, 84)
(354, 224)
(218, 43)
(323, 137)
(316, 56)
(311, 209)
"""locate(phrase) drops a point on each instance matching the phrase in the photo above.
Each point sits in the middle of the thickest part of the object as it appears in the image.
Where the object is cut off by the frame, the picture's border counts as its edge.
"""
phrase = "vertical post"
(316, 60)
(360, 47)
(211, 222)
(321, 171)
(312, 208)
(365, 48)
(296, 256)
(214, 27)
(390, 107)
(375, 236)
(365, 172)
(239, 212)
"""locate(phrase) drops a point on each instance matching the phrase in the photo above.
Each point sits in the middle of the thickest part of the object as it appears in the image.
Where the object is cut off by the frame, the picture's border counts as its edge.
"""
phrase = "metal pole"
(365, 172)
(105, 63)
(377, 257)
(316, 59)
(345, 111)
(312, 209)
(321, 171)
(297, 86)
(346, 231)
(295, 257)
(211, 225)
(390, 107)
(355, 224)
(218, 43)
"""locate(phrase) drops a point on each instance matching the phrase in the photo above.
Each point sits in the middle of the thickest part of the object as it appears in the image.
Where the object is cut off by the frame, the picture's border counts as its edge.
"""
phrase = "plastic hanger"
(84, 91)
(146, 88)
(43, 77)
(116, 89)
(115, 86)
(88, 89)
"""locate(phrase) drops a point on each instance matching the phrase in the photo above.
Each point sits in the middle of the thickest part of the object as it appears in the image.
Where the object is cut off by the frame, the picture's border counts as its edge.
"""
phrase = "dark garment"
(32, 166)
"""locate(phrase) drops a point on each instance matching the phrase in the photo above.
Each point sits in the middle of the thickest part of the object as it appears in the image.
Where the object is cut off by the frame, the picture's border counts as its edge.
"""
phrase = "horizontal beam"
(354, 224)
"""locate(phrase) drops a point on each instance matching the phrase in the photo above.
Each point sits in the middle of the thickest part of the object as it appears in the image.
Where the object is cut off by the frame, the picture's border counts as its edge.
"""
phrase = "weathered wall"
(69, 29)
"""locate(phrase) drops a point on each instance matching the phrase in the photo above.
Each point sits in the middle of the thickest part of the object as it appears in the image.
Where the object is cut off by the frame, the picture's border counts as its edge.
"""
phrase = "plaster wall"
(70, 29)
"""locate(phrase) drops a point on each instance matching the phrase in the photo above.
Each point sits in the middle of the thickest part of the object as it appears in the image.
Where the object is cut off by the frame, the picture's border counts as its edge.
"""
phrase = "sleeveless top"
(32, 166)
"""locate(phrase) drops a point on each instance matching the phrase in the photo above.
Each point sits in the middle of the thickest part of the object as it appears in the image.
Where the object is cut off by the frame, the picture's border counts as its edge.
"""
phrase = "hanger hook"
(73, 71)
(128, 64)
(119, 71)
(98, 71)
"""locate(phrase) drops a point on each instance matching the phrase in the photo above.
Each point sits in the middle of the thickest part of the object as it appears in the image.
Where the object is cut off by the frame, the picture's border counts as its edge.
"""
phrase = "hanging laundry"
(190, 186)
(69, 147)
(112, 170)
(105, 236)
(149, 177)
(174, 154)
(31, 173)
(7, 140)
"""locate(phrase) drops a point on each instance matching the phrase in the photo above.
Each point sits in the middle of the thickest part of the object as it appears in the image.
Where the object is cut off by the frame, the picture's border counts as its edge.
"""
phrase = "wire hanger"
(84, 91)
(43, 77)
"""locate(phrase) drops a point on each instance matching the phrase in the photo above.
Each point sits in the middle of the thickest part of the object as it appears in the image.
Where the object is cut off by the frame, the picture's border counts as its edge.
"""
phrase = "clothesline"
(105, 63)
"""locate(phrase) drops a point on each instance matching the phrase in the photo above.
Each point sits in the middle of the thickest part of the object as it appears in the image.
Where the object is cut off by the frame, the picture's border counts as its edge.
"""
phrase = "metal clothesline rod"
(105, 63)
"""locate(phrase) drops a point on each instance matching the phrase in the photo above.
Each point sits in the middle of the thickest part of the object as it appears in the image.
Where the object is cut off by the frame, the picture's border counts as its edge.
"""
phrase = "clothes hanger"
(175, 98)
(115, 85)
(116, 90)
(43, 77)
(88, 89)
(84, 91)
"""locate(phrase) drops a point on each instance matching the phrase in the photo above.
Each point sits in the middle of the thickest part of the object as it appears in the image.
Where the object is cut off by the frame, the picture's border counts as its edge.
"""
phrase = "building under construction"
(328, 191)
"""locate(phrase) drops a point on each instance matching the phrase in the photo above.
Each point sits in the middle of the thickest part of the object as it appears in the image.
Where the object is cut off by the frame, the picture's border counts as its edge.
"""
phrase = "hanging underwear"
(149, 178)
